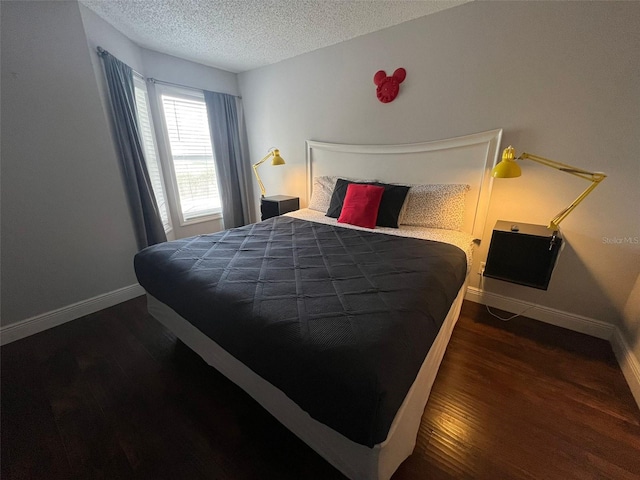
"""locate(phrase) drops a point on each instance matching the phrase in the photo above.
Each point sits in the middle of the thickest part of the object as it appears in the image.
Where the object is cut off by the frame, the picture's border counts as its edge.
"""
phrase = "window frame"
(187, 94)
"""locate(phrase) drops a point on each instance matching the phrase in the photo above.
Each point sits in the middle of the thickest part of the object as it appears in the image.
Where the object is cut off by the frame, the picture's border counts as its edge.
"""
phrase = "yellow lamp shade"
(508, 167)
(277, 159)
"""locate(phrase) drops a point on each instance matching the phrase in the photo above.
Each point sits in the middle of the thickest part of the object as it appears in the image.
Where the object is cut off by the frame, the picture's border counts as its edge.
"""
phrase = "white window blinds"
(150, 150)
(187, 127)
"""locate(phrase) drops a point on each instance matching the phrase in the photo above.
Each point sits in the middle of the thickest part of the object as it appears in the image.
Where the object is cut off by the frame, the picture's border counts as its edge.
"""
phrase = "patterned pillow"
(321, 193)
(435, 206)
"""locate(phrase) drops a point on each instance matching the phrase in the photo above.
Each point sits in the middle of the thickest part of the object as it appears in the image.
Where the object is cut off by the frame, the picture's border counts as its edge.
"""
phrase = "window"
(191, 154)
(150, 150)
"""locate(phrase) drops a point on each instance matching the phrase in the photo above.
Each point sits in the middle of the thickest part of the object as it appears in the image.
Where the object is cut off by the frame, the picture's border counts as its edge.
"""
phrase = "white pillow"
(435, 206)
(323, 189)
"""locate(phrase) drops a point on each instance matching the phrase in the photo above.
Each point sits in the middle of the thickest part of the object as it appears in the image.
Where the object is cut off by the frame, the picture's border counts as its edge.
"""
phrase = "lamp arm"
(255, 170)
(566, 211)
(594, 177)
(578, 172)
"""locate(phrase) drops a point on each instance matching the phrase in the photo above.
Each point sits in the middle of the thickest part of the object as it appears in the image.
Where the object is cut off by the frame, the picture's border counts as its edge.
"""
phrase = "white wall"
(561, 79)
(66, 233)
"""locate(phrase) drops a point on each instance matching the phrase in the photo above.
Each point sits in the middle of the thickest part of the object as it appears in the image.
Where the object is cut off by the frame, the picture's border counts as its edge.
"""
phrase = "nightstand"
(277, 205)
(522, 253)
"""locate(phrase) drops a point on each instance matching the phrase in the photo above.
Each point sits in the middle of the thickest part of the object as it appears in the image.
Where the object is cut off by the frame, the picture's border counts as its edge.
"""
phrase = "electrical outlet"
(482, 265)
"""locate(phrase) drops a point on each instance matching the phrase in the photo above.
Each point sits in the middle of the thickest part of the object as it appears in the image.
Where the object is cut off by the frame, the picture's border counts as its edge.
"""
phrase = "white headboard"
(468, 159)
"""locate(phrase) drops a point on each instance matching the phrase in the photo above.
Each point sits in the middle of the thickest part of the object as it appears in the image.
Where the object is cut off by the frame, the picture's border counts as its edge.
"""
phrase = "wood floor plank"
(113, 395)
(31, 444)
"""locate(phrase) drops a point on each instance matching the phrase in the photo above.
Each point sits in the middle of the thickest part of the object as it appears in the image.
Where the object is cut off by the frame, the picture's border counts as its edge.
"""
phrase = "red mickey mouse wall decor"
(388, 87)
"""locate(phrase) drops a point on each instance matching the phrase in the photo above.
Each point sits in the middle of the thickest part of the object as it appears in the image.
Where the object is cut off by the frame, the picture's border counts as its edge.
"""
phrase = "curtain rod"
(102, 52)
(161, 82)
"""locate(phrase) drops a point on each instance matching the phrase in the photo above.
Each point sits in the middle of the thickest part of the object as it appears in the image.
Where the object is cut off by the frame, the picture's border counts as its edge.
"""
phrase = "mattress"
(339, 320)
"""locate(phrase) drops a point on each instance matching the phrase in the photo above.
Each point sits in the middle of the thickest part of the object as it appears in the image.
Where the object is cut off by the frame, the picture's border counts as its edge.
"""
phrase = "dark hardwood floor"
(112, 396)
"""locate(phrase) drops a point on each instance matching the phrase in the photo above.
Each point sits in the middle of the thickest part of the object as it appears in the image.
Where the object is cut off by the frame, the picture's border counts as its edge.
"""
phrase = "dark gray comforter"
(340, 320)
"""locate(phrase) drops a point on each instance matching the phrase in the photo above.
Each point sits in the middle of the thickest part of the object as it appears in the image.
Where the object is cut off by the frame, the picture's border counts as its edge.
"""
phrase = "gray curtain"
(144, 209)
(229, 138)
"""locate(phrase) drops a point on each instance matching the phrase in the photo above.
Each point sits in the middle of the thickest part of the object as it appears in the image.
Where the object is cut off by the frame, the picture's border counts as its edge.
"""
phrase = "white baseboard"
(629, 364)
(39, 323)
(571, 321)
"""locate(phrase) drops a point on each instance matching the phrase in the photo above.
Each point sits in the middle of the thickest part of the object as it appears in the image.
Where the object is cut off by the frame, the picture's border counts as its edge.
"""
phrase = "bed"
(337, 330)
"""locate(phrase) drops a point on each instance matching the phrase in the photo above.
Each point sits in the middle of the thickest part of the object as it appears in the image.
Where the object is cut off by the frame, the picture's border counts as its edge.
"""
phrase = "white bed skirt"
(356, 461)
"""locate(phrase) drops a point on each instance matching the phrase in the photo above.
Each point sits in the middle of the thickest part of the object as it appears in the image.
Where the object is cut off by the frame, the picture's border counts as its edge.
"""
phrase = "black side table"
(522, 253)
(277, 205)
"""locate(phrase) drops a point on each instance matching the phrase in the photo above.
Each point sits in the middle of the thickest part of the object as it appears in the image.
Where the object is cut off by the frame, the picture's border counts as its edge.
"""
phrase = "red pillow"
(361, 204)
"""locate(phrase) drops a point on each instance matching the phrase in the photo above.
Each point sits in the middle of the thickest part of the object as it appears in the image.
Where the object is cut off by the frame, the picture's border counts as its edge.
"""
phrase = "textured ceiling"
(239, 35)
